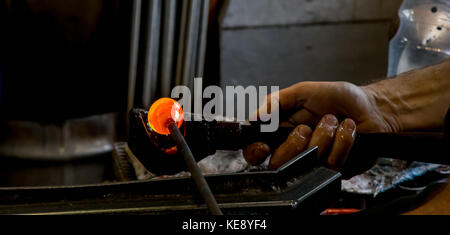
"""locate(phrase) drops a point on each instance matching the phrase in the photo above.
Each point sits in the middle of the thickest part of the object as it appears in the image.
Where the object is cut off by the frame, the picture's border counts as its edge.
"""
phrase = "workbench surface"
(437, 205)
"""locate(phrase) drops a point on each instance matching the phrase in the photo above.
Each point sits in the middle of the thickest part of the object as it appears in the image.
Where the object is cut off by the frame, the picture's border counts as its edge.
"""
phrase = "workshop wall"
(265, 42)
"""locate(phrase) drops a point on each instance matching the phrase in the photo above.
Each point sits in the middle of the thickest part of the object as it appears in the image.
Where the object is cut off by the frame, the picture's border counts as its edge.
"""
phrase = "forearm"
(415, 100)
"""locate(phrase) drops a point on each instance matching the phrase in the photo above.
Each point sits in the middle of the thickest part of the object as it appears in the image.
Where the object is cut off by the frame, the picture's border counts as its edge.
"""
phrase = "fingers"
(256, 153)
(295, 144)
(334, 142)
(323, 135)
(343, 141)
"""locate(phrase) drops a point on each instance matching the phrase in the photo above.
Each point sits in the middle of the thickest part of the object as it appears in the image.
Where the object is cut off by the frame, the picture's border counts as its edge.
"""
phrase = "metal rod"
(134, 47)
(181, 43)
(168, 45)
(197, 175)
(191, 43)
(152, 52)
(202, 39)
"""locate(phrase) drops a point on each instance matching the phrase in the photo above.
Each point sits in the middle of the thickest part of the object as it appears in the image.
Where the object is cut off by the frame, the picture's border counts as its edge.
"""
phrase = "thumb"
(285, 100)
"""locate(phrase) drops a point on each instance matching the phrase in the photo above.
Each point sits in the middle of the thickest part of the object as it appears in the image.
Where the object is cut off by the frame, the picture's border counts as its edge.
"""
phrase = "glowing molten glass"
(163, 112)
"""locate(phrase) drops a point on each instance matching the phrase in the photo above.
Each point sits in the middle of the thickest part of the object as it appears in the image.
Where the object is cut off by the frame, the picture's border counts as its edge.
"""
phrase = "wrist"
(383, 108)
(416, 100)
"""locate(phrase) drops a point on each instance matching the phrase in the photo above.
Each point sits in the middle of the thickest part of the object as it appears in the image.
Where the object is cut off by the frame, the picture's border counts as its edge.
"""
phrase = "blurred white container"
(423, 37)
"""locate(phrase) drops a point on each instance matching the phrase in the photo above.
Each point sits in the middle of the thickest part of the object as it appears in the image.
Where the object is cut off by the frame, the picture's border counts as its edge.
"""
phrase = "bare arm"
(414, 100)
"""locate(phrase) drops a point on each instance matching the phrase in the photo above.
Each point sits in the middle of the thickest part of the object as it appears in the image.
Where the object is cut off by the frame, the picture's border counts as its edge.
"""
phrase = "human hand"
(336, 109)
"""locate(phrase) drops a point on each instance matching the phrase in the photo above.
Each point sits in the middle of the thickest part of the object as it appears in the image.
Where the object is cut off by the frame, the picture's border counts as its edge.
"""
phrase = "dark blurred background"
(71, 70)
(62, 60)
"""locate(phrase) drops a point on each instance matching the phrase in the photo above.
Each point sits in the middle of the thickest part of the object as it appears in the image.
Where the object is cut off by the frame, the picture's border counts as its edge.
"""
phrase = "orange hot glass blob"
(163, 112)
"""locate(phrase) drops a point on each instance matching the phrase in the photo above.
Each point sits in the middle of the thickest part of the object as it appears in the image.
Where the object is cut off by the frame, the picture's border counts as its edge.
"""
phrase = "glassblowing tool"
(165, 117)
(158, 154)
